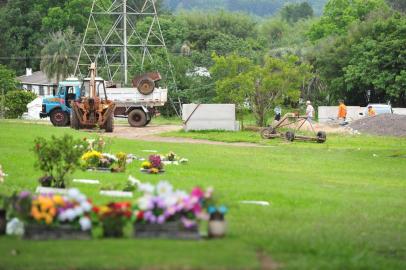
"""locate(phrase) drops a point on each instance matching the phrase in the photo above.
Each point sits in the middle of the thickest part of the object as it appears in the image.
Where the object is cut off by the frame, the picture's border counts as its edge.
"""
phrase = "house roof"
(37, 78)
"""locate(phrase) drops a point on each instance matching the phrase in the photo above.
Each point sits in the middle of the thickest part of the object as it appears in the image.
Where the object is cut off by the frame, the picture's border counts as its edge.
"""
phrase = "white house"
(37, 82)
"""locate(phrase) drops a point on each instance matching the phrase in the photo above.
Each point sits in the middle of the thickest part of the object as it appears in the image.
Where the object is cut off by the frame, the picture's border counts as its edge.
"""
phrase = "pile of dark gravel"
(382, 124)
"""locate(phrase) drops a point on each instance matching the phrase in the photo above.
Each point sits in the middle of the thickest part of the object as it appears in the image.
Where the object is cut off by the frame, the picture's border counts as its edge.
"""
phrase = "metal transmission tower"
(114, 40)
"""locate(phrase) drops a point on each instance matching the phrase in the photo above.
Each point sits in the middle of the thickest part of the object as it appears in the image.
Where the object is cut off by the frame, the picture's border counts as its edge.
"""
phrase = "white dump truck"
(137, 107)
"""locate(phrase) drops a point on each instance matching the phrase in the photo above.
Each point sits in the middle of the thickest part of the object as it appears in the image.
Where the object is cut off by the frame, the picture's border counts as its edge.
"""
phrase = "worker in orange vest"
(371, 111)
(342, 111)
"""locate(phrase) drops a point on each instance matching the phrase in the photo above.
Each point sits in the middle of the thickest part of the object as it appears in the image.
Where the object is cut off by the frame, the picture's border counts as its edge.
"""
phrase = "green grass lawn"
(338, 205)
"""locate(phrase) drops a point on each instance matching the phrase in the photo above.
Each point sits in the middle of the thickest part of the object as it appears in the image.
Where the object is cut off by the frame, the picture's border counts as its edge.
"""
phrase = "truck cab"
(57, 107)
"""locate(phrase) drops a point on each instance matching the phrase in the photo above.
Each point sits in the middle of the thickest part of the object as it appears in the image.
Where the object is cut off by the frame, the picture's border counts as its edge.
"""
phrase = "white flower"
(164, 188)
(110, 156)
(70, 214)
(146, 188)
(180, 195)
(170, 200)
(73, 194)
(78, 211)
(145, 202)
(86, 206)
(2, 174)
(134, 181)
(85, 223)
(62, 216)
(15, 227)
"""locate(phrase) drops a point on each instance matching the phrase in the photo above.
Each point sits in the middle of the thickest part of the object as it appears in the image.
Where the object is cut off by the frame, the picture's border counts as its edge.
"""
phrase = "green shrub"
(58, 157)
(16, 102)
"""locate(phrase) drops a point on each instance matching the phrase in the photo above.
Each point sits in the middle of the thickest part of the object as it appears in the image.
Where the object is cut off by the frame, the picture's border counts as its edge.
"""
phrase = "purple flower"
(155, 161)
(188, 223)
(160, 219)
(24, 194)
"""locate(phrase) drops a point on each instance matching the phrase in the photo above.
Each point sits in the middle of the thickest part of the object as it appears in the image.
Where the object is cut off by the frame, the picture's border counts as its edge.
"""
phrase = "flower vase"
(3, 222)
(217, 228)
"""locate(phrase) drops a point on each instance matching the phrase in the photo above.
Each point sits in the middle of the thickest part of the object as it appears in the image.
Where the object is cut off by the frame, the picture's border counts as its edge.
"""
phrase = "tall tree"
(239, 81)
(58, 57)
(338, 15)
(294, 12)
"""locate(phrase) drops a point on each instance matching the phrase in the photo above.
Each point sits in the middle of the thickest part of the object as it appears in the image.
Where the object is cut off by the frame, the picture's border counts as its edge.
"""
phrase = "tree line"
(354, 51)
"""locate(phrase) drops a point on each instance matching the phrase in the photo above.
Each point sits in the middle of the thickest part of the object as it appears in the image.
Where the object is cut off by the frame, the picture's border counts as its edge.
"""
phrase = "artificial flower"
(134, 181)
(85, 223)
(146, 188)
(164, 188)
(146, 165)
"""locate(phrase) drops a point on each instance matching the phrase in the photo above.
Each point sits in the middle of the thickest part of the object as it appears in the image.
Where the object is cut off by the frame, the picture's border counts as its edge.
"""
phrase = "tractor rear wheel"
(74, 121)
(321, 137)
(290, 136)
(266, 133)
(59, 118)
(137, 118)
(109, 124)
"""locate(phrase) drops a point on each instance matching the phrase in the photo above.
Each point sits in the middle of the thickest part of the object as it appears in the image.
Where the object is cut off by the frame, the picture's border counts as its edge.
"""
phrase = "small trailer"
(297, 121)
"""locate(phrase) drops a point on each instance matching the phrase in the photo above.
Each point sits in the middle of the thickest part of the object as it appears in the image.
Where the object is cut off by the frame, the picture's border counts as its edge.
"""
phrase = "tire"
(74, 121)
(146, 86)
(290, 136)
(321, 137)
(137, 118)
(59, 118)
(266, 133)
(109, 125)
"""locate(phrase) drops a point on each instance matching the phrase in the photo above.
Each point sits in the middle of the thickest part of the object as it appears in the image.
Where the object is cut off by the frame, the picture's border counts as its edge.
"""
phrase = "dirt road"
(150, 134)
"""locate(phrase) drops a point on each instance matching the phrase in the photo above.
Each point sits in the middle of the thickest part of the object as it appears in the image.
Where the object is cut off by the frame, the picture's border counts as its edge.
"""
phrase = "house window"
(41, 90)
(29, 87)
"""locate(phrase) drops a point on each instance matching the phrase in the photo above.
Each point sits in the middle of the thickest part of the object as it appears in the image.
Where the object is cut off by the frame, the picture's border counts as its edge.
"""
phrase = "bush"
(16, 102)
(58, 157)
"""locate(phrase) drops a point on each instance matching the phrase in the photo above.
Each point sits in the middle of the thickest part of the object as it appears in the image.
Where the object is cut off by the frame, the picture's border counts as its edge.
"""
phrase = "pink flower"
(197, 192)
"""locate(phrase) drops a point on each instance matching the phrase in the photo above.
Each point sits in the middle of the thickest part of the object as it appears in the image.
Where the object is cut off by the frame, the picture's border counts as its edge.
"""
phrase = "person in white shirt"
(309, 111)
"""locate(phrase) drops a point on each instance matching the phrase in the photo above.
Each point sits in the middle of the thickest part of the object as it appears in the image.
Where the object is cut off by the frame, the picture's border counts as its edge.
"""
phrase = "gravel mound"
(382, 124)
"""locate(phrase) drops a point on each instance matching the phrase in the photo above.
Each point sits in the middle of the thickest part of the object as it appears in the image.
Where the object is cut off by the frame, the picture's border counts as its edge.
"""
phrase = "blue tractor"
(58, 107)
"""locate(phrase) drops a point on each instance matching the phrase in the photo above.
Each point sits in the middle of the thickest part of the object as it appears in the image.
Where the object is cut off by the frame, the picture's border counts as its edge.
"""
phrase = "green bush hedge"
(15, 102)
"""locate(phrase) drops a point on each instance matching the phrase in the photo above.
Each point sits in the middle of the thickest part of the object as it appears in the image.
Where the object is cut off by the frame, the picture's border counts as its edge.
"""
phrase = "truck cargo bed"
(131, 96)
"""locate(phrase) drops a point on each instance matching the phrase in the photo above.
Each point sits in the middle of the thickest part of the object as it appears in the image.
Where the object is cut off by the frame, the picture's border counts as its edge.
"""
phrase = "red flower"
(140, 215)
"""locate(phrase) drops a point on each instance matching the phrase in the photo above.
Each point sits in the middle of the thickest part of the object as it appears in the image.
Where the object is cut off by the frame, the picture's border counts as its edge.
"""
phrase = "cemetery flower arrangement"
(154, 164)
(161, 203)
(98, 144)
(58, 157)
(94, 159)
(113, 217)
(171, 157)
(54, 210)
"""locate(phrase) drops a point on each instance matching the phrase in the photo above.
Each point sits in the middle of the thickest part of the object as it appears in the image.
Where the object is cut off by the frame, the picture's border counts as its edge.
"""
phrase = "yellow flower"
(35, 213)
(121, 155)
(104, 209)
(154, 170)
(48, 219)
(58, 200)
(146, 165)
(91, 154)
